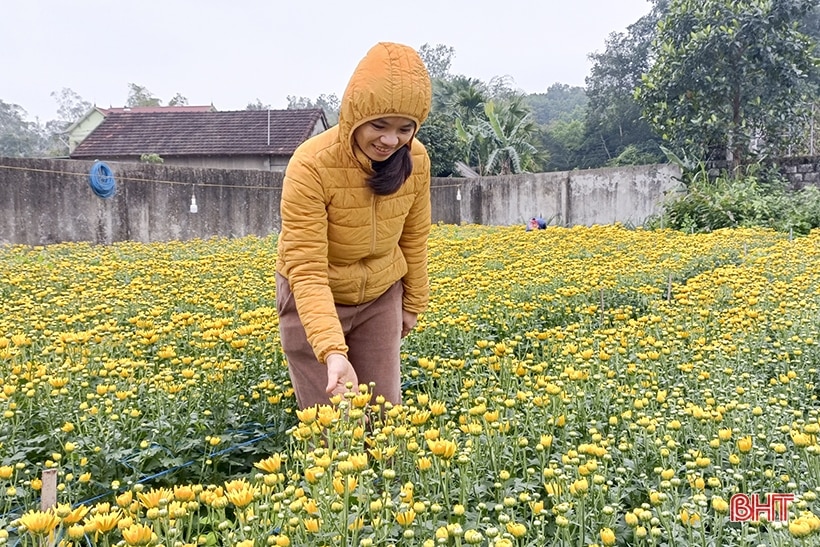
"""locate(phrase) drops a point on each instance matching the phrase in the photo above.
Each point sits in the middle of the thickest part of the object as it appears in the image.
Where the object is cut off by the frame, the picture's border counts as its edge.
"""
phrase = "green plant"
(151, 158)
(753, 196)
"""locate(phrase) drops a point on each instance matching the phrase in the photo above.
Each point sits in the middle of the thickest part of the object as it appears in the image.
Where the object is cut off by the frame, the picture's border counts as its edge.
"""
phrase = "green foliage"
(729, 79)
(439, 137)
(560, 102)
(613, 118)
(460, 97)
(178, 100)
(510, 135)
(258, 105)
(756, 198)
(71, 106)
(329, 103)
(18, 137)
(806, 210)
(140, 96)
(633, 155)
(500, 143)
(560, 114)
(493, 123)
(437, 59)
(562, 140)
(151, 158)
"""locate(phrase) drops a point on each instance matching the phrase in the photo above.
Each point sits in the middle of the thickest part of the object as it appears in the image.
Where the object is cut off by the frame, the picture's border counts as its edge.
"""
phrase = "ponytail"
(391, 173)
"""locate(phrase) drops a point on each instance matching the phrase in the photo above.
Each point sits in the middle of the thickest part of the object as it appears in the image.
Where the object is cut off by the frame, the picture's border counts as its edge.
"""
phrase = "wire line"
(161, 181)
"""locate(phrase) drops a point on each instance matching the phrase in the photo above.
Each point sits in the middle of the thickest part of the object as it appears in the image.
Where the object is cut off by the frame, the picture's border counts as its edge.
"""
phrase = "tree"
(329, 103)
(178, 100)
(140, 96)
(437, 59)
(729, 79)
(460, 98)
(561, 101)
(70, 108)
(810, 26)
(18, 137)
(613, 118)
(562, 140)
(439, 137)
(500, 133)
(503, 87)
(70, 105)
(257, 106)
(560, 113)
(501, 142)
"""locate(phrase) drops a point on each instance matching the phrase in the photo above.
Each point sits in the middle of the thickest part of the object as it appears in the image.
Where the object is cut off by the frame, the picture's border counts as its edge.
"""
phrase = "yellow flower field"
(566, 387)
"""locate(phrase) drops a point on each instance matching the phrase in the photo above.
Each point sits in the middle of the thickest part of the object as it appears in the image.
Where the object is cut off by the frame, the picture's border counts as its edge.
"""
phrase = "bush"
(758, 197)
(151, 158)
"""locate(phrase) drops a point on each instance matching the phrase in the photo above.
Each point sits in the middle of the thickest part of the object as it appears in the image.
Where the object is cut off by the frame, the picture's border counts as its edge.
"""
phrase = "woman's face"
(381, 137)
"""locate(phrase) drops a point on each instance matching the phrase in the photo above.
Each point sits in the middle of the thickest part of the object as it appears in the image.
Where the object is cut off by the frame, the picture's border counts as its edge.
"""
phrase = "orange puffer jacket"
(340, 242)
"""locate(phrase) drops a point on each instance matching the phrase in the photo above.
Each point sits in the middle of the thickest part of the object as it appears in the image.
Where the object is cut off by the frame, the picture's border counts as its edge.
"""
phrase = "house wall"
(85, 126)
(50, 201)
(320, 127)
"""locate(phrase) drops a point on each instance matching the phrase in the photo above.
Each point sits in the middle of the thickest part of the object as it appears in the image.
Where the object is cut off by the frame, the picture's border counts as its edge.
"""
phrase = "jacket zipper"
(373, 232)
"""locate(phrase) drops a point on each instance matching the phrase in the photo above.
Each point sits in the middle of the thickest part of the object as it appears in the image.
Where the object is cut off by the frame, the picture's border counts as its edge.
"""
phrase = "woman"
(352, 257)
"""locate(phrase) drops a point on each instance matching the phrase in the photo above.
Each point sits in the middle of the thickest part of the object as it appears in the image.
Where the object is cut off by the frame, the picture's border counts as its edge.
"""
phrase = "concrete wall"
(801, 171)
(628, 195)
(50, 201)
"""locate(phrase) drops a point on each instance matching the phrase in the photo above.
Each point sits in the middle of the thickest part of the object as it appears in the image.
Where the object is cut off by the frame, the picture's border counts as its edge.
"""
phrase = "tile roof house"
(244, 139)
(80, 129)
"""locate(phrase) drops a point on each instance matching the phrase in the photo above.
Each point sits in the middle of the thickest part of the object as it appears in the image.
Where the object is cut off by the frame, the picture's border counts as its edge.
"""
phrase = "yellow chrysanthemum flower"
(406, 518)
(71, 516)
(242, 498)
(39, 523)
(442, 448)
(155, 497)
(312, 525)
(607, 536)
(102, 523)
(517, 529)
(138, 534)
(271, 464)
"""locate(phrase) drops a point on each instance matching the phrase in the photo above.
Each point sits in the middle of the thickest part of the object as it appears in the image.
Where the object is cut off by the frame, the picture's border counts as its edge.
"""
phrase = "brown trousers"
(372, 332)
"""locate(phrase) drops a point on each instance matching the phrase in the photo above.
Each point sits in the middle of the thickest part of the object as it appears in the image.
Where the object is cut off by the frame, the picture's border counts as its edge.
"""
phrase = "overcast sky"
(232, 52)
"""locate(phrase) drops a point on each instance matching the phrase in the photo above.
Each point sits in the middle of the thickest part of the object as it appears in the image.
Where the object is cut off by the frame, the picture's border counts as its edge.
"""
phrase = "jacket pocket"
(284, 296)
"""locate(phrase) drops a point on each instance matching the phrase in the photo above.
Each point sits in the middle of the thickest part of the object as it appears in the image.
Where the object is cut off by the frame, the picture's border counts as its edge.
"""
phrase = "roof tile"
(243, 132)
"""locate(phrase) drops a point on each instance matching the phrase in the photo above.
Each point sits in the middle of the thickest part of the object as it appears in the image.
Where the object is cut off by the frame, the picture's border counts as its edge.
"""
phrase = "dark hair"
(391, 173)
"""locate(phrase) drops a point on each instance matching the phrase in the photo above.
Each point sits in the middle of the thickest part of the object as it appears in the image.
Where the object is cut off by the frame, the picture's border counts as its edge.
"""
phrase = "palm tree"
(460, 98)
(501, 141)
(493, 121)
(511, 136)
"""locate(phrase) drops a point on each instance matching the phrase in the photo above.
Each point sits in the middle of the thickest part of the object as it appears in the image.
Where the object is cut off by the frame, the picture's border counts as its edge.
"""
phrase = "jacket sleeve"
(304, 250)
(413, 241)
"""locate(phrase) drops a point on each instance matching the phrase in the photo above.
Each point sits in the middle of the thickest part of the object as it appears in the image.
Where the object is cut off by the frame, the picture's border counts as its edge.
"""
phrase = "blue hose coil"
(101, 180)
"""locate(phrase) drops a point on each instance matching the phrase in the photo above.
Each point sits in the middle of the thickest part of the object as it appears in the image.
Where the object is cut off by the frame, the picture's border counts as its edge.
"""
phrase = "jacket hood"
(391, 80)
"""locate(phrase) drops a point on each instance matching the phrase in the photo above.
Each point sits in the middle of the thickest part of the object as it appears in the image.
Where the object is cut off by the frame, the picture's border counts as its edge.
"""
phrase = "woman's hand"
(408, 321)
(339, 373)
